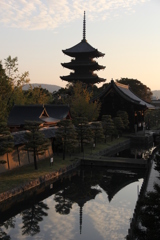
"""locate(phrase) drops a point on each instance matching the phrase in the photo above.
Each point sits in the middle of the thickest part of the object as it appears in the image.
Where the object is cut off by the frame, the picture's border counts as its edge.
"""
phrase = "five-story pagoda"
(82, 63)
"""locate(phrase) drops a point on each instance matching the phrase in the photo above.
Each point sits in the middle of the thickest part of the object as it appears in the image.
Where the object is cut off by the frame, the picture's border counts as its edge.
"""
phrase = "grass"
(20, 175)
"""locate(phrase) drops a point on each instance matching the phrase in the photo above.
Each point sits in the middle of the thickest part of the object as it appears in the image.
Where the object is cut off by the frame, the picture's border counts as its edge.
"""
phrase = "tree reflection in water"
(31, 218)
(79, 186)
(9, 223)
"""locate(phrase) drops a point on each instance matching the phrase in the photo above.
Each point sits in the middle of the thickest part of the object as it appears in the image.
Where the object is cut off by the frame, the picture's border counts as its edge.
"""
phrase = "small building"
(117, 97)
(46, 115)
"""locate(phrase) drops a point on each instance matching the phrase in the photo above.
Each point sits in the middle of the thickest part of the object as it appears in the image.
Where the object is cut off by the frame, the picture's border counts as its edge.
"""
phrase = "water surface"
(95, 203)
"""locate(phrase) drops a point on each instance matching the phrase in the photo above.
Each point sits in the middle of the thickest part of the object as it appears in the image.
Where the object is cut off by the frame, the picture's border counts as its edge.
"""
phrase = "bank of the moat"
(94, 159)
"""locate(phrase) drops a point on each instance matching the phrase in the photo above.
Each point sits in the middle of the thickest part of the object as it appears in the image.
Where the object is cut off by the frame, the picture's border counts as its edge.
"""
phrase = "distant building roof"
(126, 93)
(40, 113)
(19, 137)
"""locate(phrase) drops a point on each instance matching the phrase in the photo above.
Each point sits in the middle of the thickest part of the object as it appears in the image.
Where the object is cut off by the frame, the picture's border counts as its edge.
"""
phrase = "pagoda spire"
(84, 27)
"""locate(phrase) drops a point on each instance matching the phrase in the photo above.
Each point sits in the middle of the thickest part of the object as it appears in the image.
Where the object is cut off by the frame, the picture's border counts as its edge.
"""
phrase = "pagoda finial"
(84, 27)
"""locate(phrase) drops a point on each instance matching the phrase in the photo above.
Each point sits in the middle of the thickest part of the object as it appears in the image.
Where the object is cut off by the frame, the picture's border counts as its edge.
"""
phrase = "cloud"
(50, 14)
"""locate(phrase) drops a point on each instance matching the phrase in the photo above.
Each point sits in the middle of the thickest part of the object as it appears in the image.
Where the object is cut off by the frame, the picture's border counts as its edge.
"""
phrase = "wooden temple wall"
(18, 157)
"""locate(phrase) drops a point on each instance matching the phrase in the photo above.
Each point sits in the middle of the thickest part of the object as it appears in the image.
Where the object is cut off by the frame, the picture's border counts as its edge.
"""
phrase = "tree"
(66, 135)
(83, 130)
(6, 142)
(35, 140)
(31, 218)
(108, 126)
(15, 82)
(149, 216)
(5, 92)
(97, 132)
(81, 104)
(37, 95)
(124, 116)
(138, 88)
(118, 123)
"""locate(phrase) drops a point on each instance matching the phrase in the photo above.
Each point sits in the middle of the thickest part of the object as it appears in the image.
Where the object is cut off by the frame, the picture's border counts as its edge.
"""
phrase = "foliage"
(83, 130)
(5, 93)
(6, 141)
(66, 136)
(81, 105)
(97, 130)
(37, 95)
(124, 116)
(35, 140)
(16, 80)
(152, 119)
(149, 216)
(31, 218)
(108, 126)
(118, 123)
(138, 88)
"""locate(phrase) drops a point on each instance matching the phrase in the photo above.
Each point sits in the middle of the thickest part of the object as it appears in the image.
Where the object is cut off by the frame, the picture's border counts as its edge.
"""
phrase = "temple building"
(82, 63)
(117, 96)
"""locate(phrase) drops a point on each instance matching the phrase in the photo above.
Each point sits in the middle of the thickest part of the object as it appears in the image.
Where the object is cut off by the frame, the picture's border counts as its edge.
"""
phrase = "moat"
(91, 203)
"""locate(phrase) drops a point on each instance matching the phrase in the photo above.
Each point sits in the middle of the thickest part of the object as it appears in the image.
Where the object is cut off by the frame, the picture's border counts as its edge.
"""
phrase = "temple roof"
(91, 78)
(83, 48)
(126, 93)
(40, 113)
(85, 64)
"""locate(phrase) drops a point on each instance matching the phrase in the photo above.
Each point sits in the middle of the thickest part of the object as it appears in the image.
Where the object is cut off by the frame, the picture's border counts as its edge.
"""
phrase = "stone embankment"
(34, 183)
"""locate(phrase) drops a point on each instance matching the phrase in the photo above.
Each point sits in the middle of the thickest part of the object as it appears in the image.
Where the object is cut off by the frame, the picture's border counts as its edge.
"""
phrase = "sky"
(126, 31)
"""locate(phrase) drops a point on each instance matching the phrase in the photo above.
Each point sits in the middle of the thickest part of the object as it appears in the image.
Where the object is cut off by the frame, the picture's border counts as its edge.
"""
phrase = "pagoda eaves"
(83, 64)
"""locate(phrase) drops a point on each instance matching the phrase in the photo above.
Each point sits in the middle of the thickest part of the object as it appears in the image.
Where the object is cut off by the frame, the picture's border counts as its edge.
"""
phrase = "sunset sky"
(127, 31)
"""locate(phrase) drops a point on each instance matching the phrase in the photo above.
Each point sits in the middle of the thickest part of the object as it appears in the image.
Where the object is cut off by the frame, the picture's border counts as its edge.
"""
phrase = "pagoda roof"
(76, 64)
(91, 78)
(83, 48)
(126, 93)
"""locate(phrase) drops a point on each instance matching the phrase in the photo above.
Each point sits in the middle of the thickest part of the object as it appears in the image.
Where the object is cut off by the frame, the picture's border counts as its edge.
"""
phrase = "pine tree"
(124, 116)
(97, 130)
(118, 123)
(66, 135)
(83, 130)
(108, 126)
(35, 140)
(6, 142)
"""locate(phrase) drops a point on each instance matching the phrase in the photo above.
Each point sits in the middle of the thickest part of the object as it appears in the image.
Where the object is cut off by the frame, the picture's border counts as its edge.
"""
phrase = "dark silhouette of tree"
(3, 235)
(9, 223)
(124, 116)
(138, 88)
(83, 130)
(66, 135)
(108, 126)
(81, 104)
(118, 123)
(148, 226)
(64, 205)
(5, 92)
(35, 140)
(31, 218)
(6, 141)
(97, 131)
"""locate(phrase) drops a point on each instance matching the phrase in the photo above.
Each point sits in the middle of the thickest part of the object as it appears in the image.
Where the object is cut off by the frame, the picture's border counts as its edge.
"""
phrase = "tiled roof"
(21, 113)
(126, 93)
(82, 47)
(19, 137)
